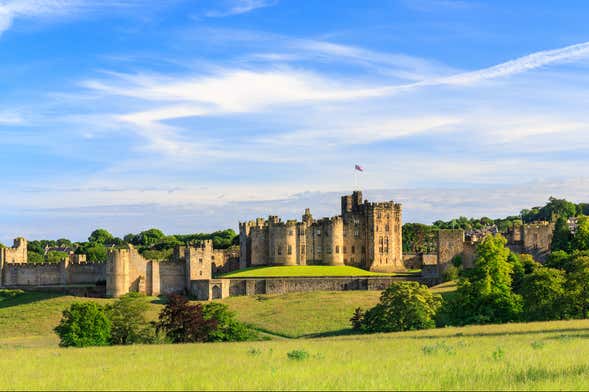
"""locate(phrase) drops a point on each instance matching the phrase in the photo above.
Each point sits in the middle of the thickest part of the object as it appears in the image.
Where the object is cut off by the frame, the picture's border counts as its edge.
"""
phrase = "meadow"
(313, 326)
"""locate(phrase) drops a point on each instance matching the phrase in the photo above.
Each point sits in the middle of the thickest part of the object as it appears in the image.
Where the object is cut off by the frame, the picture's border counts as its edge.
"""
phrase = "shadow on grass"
(329, 334)
(27, 297)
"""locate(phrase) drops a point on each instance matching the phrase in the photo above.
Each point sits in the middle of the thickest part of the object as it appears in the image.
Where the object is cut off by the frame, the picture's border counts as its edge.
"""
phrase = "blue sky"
(191, 115)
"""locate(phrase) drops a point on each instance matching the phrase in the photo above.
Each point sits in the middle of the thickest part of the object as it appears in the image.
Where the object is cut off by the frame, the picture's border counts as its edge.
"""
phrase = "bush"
(297, 355)
(129, 323)
(451, 273)
(543, 294)
(84, 324)
(228, 329)
(403, 306)
(183, 322)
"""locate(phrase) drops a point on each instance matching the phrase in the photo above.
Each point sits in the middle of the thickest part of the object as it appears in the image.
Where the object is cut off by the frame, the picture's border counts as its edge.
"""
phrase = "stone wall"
(450, 245)
(253, 286)
(17, 254)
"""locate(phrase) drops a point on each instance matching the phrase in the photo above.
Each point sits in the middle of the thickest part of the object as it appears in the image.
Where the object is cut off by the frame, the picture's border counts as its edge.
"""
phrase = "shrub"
(403, 306)
(84, 324)
(129, 323)
(228, 329)
(297, 355)
(7, 293)
(357, 319)
(183, 322)
(451, 273)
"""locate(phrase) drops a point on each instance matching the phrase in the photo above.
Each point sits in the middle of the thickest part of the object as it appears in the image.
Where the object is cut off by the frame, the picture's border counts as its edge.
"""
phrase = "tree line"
(152, 244)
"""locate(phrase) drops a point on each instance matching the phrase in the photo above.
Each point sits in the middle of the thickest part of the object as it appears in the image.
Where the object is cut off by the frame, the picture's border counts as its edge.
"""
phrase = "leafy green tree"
(101, 236)
(562, 237)
(34, 257)
(577, 286)
(484, 293)
(581, 238)
(129, 321)
(543, 293)
(560, 260)
(150, 237)
(95, 252)
(84, 324)
(403, 306)
(55, 256)
(228, 328)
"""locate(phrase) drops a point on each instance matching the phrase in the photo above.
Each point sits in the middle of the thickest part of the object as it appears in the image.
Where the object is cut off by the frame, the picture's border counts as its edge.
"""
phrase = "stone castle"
(366, 235)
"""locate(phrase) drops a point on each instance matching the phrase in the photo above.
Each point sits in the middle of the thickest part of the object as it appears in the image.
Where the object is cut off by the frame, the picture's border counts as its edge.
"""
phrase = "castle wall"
(33, 274)
(450, 245)
(86, 273)
(275, 286)
(537, 240)
(172, 277)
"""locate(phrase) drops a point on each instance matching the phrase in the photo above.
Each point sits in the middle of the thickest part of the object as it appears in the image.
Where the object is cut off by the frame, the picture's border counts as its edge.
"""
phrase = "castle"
(366, 235)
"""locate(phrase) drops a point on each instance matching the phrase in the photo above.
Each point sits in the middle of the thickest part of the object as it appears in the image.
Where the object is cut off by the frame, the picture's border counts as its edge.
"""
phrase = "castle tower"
(117, 273)
(333, 241)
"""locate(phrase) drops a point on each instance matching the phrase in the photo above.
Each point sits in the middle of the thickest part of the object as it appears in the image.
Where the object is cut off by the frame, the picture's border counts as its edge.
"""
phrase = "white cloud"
(237, 7)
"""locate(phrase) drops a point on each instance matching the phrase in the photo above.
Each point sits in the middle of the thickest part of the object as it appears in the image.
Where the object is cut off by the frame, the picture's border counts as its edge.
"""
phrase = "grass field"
(550, 355)
(534, 356)
(307, 270)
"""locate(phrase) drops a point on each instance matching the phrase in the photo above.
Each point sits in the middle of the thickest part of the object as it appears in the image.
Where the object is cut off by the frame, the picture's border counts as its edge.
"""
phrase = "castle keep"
(366, 235)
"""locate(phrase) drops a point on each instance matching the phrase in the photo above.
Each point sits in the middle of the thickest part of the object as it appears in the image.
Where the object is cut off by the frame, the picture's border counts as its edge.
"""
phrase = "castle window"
(386, 245)
(376, 229)
(345, 250)
(353, 249)
(318, 232)
(213, 257)
(289, 250)
(337, 249)
(302, 249)
(328, 251)
(356, 233)
(386, 227)
(378, 215)
(318, 250)
(200, 261)
(200, 273)
(279, 250)
(363, 249)
(290, 232)
(351, 259)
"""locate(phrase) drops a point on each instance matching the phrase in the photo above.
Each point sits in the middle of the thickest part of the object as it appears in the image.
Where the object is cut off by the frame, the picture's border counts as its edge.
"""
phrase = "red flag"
(359, 168)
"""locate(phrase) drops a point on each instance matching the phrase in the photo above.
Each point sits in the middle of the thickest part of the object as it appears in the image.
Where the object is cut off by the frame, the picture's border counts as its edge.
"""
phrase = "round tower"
(333, 241)
(117, 273)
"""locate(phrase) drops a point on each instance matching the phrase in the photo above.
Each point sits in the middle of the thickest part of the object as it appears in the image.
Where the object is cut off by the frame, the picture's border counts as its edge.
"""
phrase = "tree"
(581, 238)
(484, 293)
(183, 322)
(150, 237)
(562, 237)
(228, 328)
(101, 236)
(403, 306)
(95, 252)
(543, 293)
(84, 324)
(54, 256)
(578, 286)
(34, 257)
(129, 321)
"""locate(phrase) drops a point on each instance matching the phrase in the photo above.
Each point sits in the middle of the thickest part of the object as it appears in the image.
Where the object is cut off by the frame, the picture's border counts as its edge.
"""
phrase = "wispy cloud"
(237, 7)
(11, 10)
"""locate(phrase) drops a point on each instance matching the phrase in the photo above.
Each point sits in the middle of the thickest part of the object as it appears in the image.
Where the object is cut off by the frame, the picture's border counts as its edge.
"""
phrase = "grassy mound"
(301, 270)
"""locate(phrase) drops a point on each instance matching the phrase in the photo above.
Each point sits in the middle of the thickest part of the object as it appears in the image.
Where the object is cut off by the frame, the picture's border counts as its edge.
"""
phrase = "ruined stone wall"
(450, 245)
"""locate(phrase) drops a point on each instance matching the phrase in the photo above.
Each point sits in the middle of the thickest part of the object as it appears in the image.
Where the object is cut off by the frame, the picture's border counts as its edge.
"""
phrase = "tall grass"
(480, 358)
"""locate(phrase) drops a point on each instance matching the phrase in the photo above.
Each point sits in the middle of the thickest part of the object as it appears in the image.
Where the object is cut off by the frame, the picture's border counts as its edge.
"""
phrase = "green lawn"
(536, 356)
(301, 270)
